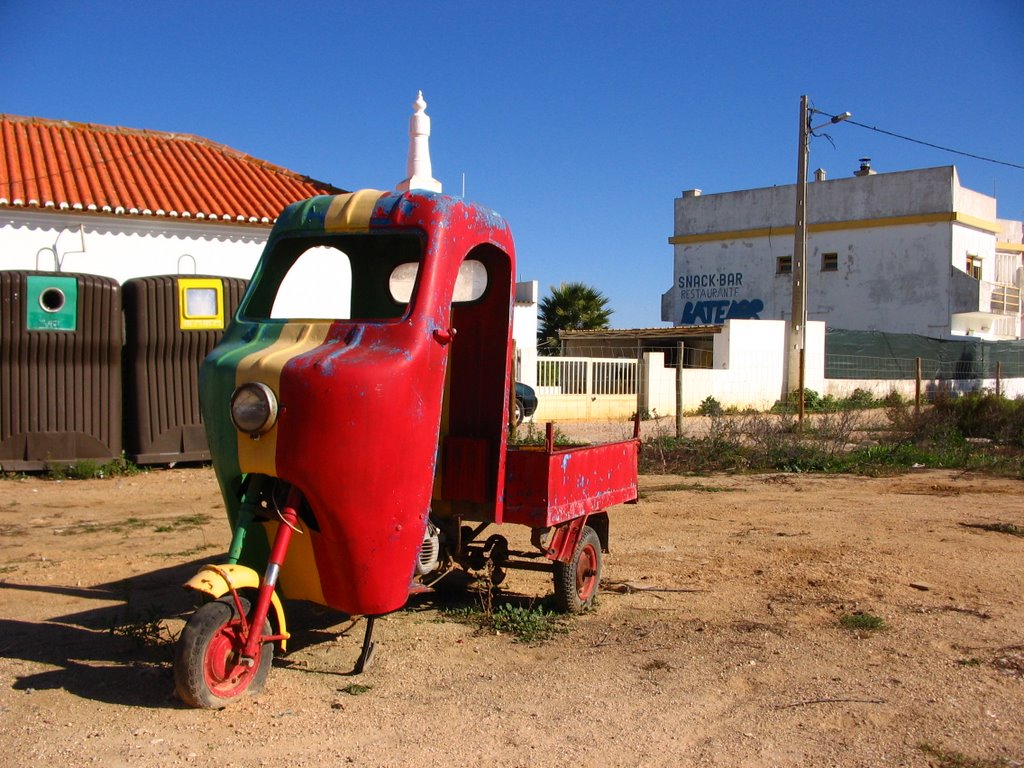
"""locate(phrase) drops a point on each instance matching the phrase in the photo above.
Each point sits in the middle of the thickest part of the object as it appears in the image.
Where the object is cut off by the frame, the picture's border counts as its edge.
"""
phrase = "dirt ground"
(717, 640)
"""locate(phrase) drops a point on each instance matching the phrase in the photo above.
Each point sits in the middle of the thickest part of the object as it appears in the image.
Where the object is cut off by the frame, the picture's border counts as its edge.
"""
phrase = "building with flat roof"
(905, 252)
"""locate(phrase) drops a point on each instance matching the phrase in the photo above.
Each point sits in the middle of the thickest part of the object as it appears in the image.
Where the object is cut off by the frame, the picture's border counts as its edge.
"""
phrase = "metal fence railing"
(587, 376)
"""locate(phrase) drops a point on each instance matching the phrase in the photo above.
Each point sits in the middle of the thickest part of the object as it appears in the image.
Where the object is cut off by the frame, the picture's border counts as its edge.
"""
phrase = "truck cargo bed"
(547, 487)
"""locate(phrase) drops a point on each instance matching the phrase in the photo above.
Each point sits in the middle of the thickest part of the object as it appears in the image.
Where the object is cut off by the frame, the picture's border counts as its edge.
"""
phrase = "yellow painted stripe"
(264, 366)
(972, 221)
(835, 226)
(1015, 247)
(300, 579)
(351, 212)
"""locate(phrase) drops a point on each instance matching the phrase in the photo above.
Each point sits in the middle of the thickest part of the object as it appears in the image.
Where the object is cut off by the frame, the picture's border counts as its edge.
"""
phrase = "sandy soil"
(716, 641)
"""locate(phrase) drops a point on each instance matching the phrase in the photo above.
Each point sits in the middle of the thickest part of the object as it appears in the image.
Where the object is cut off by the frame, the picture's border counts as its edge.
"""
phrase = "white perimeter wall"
(749, 369)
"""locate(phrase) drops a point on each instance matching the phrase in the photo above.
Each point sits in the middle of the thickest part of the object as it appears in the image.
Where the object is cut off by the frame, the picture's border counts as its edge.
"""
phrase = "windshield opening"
(332, 277)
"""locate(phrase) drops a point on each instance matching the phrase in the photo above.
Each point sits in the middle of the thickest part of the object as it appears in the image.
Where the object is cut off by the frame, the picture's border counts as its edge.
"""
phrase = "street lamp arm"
(832, 119)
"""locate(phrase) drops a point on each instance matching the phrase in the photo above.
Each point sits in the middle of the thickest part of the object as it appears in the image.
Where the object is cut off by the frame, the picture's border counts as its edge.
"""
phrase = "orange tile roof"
(61, 165)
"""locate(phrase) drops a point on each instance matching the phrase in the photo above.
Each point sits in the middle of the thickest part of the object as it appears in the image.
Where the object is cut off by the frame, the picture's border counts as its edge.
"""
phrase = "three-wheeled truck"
(358, 415)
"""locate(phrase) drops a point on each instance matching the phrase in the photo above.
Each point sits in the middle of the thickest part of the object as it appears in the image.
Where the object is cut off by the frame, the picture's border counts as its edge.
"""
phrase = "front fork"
(252, 626)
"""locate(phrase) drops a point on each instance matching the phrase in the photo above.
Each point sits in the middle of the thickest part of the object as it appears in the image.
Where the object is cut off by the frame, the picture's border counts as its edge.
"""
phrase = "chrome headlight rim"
(253, 408)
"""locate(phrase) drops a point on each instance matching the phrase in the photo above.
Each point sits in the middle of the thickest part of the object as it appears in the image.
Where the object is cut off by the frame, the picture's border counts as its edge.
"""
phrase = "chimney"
(865, 168)
(691, 193)
(820, 175)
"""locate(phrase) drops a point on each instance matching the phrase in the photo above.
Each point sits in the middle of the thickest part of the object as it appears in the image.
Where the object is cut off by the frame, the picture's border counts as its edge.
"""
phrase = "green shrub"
(710, 407)
(861, 621)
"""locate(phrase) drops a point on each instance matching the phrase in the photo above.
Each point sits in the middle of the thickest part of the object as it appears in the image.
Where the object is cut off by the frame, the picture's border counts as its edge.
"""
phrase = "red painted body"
(360, 428)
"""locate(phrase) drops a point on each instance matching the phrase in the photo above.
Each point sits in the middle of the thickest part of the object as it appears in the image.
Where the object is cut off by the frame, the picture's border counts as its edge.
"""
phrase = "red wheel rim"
(586, 572)
(225, 677)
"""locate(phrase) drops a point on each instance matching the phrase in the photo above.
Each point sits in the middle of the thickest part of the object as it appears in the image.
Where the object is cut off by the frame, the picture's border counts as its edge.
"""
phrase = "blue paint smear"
(382, 210)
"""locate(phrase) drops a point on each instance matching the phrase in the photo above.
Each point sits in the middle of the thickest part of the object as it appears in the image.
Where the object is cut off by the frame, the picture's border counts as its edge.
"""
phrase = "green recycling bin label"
(51, 303)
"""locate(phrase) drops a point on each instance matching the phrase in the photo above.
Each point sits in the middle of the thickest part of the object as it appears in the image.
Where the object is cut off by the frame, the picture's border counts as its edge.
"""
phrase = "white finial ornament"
(418, 164)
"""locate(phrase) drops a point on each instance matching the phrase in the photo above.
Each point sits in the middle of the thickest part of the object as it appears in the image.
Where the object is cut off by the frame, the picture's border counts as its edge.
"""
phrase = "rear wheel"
(576, 581)
(207, 669)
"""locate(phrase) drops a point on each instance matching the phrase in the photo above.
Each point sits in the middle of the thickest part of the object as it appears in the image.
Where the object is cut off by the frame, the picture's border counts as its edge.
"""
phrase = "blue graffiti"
(717, 312)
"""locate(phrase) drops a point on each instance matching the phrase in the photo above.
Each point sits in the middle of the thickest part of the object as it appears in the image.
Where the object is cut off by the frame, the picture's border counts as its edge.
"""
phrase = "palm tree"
(570, 307)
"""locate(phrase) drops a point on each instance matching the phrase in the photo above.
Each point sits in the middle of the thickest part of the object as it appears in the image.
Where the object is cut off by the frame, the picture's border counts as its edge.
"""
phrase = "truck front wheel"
(209, 671)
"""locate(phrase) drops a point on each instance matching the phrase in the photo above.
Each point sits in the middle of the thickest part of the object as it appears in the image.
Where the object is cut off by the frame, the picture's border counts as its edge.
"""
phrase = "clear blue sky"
(579, 122)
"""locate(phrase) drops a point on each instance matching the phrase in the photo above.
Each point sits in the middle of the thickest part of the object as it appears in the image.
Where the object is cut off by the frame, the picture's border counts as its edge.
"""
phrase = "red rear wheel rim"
(586, 572)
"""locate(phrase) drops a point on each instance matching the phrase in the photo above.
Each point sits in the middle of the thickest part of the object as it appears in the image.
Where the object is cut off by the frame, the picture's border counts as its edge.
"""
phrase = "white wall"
(749, 368)
(524, 330)
(122, 247)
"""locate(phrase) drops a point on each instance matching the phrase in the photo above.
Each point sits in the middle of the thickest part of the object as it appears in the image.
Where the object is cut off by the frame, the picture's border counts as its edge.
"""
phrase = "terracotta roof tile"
(78, 166)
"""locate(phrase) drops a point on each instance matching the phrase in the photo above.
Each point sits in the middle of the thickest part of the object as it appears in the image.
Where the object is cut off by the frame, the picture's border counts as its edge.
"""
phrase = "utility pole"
(796, 351)
(798, 316)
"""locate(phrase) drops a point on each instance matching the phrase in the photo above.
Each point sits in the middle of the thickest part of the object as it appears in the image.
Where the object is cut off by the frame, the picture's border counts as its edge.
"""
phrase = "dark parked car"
(526, 402)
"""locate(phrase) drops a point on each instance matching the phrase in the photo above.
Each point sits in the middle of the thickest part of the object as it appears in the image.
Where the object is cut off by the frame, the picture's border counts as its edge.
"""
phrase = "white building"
(906, 252)
(124, 203)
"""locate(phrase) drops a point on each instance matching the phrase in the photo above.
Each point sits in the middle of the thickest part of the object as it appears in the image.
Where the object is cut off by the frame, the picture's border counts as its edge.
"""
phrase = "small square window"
(830, 262)
(784, 265)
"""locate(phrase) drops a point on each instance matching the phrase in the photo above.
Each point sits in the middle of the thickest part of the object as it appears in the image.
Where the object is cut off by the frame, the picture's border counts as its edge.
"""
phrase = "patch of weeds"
(149, 633)
(180, 523)
(355, 689)
(535, 436)
(861, 622)
(530, 624)
(1010, 528)
(8, 568)
(949, 759)
(462, 614)
(128, 524)
(199, 549)
(698, 487)
(88, 469)
(944, 436)
(9, 529)
(970, 662)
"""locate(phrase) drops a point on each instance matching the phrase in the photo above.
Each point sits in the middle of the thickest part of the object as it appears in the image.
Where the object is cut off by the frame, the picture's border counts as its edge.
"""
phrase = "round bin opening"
(52, 300)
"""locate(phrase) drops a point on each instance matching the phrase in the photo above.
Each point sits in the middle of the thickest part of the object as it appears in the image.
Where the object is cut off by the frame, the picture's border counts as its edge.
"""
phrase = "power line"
(929, 144)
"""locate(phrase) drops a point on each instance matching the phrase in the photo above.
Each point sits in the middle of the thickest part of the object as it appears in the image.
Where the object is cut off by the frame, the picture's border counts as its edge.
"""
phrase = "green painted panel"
(51, 303)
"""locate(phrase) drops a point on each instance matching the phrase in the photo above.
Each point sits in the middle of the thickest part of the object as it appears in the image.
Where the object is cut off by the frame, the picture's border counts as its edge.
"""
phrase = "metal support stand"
(365, 660)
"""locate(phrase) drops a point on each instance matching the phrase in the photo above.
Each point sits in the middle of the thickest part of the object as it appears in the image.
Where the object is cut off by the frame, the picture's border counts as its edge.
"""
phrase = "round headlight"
(253, 408)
